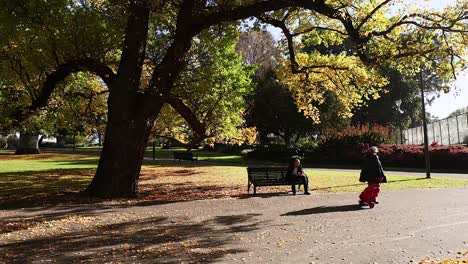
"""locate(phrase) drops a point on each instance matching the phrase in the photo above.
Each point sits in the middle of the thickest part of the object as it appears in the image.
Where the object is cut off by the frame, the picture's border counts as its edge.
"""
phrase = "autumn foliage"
(373, 135)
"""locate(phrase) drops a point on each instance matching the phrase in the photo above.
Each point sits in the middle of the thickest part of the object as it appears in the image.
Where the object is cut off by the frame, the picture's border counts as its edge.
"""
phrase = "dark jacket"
(372, 170)
(289, 173)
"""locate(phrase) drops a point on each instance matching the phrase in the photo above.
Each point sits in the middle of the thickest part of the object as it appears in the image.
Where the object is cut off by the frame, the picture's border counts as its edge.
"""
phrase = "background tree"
(273, 109)
(460, 111)
(258, 47)
(78, 107)
(310, 74)
(212, 88)
(275, 112)
(400, 104)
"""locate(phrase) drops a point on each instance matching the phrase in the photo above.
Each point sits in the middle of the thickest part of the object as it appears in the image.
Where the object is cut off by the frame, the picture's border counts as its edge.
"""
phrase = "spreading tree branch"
(295, 67)
(64, 70)
(198, 127)
(371, 14)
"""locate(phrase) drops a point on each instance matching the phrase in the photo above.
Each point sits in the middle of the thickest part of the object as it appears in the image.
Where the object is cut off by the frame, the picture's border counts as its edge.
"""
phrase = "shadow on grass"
(149, 240)
(73, 163)
(32, 188)
(40, 187)
(325, 209)
(50, 188)
(208, 162)
(364, 184)
(80, 151)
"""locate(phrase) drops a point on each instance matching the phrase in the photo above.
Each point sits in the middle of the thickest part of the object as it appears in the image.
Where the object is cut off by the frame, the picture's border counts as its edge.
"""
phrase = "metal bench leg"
(248, 186)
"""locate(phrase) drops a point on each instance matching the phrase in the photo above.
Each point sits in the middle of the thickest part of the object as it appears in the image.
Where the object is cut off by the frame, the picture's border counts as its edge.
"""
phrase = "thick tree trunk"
(130, 115)
(122, 155)
(120, 163)
(28, 144)
(41, 138)
(99, 134)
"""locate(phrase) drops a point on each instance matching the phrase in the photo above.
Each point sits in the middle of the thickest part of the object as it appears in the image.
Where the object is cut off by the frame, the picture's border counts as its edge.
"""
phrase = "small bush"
(309, 146)
(3, 142)
(12, 141)
(353, 135)
(234, 149)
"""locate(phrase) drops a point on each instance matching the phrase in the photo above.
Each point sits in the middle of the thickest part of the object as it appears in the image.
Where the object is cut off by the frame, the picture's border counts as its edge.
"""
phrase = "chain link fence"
(449, 131)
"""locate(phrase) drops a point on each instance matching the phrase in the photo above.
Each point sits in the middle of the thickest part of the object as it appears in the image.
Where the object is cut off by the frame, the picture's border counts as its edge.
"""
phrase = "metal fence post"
(154, 150)
(422, 133)
(412, 135)
(440, 130)
(417, 135)
(458, 130)
(448, 129)
(401, 135)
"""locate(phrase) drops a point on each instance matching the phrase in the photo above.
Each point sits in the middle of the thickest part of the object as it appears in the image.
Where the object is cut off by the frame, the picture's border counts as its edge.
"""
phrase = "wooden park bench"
(185, 156)
(268, 176)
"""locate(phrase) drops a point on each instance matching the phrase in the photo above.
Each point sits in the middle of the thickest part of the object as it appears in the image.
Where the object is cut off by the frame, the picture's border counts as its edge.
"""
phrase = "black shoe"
(294, 193)
(307, 193)
(375, 202)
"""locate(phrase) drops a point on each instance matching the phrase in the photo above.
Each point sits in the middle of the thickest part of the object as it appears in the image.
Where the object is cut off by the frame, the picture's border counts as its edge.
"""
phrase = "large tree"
(159, 35)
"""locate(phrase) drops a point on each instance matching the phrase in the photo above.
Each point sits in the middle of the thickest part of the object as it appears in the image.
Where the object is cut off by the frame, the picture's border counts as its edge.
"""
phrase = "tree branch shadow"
(152, 240)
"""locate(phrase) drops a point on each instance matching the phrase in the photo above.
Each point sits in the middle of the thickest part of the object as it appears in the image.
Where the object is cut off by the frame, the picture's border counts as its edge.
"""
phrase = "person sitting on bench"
(296, 174)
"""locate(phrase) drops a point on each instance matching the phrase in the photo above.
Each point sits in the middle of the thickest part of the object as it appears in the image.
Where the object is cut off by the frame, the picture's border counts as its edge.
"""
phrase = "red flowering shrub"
(442, 157)
(406, 156)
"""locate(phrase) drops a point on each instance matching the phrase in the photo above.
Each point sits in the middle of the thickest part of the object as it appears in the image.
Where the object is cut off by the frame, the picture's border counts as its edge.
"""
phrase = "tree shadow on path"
(325, 209)
(150, 240)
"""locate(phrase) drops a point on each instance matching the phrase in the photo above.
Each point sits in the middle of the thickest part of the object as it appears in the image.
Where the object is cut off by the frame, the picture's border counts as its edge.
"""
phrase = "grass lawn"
(160, 153)
(41, 178)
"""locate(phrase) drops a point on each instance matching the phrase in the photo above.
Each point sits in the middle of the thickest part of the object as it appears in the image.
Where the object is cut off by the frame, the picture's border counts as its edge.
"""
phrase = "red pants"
(371, 192)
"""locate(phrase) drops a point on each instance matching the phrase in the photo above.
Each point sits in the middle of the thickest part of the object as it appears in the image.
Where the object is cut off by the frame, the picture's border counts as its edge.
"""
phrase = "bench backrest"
(183, 155)
(267, 173)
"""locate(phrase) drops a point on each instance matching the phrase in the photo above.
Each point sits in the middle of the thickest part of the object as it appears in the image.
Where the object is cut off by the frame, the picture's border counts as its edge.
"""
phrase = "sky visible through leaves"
(445, 104)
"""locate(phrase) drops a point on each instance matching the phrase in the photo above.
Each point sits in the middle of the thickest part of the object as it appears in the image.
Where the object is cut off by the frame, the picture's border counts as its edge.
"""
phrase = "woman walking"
(373, 174)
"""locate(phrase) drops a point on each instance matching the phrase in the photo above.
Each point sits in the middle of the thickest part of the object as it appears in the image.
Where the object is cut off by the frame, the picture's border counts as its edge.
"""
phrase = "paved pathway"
(407, 226)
